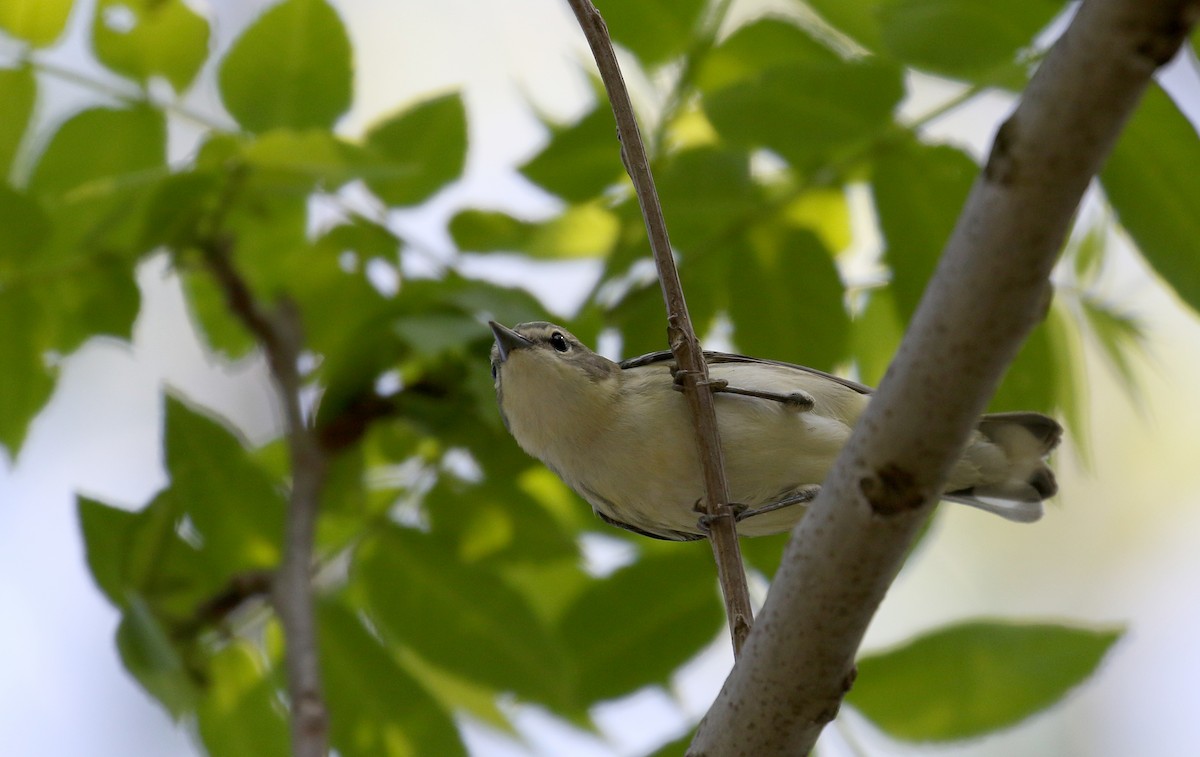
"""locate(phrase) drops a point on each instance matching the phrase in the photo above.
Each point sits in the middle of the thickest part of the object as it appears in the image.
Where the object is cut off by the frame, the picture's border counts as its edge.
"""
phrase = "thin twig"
(681, 336)
(278, 333)
(990, 289)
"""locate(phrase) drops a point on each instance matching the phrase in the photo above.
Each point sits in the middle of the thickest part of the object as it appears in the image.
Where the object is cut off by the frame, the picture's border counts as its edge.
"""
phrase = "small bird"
(621, 436)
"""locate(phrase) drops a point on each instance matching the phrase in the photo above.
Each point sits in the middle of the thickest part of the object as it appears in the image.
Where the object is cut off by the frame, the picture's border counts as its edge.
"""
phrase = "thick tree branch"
(278, 333)
(990, 289)
(681, 336)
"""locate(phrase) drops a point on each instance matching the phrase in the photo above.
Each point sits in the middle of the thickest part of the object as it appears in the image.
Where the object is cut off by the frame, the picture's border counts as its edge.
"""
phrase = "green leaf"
(1040, 377)
(458, 617)
(875, 335)
(236, 509)
(25, 384)
(579, 231)
(1120, 335)
(106, 532)
(1152, 179)
(858, 20)
(240, 713)
(80, 162)
(147, 652)
(580, 161)
(145, 38)
(654, 30)
(291, 68)
(638, 625)
(705, 192)
(375, 706)
(809, 111)
(38, 22)
(424, 148)
(965, 39)
(974, 678)
(786, 299)
(18, 92)
(918, 191)
(756, 48)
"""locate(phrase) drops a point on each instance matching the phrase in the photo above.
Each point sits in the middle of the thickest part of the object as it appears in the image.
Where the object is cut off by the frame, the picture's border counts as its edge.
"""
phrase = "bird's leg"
(741, 512)
(802, 497)
(800, 401)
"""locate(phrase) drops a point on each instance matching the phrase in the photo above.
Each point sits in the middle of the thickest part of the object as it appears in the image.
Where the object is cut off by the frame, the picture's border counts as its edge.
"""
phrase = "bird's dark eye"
(559, 342)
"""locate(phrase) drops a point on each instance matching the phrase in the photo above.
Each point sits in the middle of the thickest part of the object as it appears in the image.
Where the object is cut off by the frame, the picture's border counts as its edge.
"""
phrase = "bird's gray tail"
(1016, 488)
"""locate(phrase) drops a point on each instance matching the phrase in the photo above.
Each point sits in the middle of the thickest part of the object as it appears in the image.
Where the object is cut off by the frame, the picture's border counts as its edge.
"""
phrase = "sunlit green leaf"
(641, 623)
(974, 678)
(24, 382)
(145, 38)
(875, 334)
(756, 48)
(1152, 179)
(38, 22)
(579, 231)
(424, 148)
(290, 68)
(580, 161)
(240, 713)
(18, 91)
(98, 151)
(375, 706)
(654, 31)
(458, 617)
(918, 191)
(705, 192)
(809, 111)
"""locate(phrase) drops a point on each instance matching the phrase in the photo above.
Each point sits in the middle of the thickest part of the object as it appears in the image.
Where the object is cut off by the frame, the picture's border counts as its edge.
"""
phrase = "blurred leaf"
(918, 191)
(291, 68)
(25, 384)
(1119, 335)
(639, 624)
(38, 22)
(106, 533)
(579, 231)
(965, 39)
(1088, 254)
(675, 748)
(18, 92)
(874, 336)
(240, 713)
(654, 30)
(758, 47)
(236, 509)
(147, 653)
(298, 160)
(1040, 377)
(375, 707)
(705, 192)
(974, 678)
(786, 299)
(425, 147)
(823, 211)
(145, 38)
(812, 111)
(458, 617)
(1152, 179)
(580, 161)
(858, 20)
(134, 141)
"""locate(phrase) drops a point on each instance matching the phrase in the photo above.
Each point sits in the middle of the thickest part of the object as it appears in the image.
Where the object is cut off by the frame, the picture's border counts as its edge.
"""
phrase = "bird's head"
(548, 382)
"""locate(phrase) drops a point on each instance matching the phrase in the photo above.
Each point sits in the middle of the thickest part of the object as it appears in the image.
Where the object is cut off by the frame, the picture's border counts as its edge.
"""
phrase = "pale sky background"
(1118, 546)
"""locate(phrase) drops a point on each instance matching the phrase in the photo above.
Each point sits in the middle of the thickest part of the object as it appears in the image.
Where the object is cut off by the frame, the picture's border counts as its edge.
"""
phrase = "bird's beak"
(507, 340)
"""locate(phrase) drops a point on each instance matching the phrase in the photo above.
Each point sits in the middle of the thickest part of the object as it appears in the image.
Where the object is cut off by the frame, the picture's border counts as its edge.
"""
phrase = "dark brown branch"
(680, 334)
(278, 333)
(990, 290)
